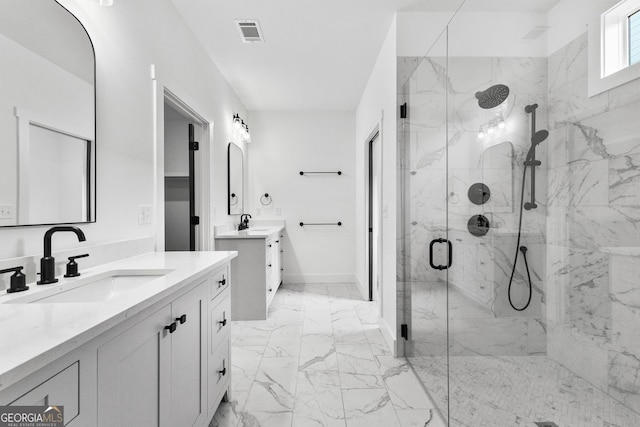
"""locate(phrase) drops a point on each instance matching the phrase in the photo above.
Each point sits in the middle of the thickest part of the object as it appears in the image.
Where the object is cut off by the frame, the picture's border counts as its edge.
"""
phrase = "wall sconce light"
(492, 127)
(102, 2)
(241, 127)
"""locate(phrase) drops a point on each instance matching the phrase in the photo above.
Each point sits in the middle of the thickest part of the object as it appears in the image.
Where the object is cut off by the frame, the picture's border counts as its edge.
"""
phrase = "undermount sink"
(101, 287)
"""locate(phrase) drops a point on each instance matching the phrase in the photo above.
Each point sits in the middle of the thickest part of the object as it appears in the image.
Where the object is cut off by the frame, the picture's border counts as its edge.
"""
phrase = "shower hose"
(522, 249)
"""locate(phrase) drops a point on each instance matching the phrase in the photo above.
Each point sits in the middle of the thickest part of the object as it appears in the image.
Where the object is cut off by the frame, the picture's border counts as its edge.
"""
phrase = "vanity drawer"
(219, 281)
(220, 322)
(62, 389)
(219, 373)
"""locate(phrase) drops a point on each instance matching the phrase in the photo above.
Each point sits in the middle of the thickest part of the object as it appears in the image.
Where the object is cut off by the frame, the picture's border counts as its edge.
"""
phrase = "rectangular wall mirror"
(234, 179)
(47, 116)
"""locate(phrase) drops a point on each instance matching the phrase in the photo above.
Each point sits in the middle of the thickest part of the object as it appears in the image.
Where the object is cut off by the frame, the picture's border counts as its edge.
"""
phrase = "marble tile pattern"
(442, 158)
(518, 391)
(320, 360)
(594, 203)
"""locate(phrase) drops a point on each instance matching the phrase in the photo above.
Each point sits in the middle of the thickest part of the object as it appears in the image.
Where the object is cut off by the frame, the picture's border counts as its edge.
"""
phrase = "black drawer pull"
(224, 369)
(182, 319)
(172, 327)
(277, 241)
(270, 289)
(222, 282)
(223, 322)
(269, 245)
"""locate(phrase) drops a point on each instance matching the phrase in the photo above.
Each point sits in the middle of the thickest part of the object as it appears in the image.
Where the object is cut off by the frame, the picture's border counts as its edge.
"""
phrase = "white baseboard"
(389, 335)
(365, 295)
(319, 278)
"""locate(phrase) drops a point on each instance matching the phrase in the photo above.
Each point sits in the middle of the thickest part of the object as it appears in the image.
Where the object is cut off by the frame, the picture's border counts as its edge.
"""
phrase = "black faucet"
(244, 222)
(47, 262)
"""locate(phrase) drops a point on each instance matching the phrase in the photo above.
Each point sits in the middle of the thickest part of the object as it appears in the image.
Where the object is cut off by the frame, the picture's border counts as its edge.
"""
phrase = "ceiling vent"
(535, 32)
(250, 31)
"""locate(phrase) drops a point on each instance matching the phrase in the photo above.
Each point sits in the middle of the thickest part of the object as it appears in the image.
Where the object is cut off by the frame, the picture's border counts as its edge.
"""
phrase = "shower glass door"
(532, 185)
(423, 244)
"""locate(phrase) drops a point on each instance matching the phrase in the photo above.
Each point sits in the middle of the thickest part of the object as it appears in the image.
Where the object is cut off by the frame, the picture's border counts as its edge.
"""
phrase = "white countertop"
(257, 232)
(32, 335)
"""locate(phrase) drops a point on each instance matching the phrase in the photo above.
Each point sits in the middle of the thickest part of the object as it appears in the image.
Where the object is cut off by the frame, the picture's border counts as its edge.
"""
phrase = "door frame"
(203, 134)
(373, 214)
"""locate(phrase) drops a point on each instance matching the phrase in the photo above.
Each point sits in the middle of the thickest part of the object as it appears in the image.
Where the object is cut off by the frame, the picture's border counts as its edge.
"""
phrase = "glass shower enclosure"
(518, 228)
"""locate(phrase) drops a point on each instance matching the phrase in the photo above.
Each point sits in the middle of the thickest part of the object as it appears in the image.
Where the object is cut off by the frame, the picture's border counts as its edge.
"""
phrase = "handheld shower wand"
(536, 138)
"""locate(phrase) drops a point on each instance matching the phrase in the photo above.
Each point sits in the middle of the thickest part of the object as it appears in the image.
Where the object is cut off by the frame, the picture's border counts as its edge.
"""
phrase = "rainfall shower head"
(493, 96)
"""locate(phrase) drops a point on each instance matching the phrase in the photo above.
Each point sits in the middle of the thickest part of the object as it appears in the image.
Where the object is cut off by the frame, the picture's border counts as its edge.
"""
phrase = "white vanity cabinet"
(165, 365)
(257, 271)
(273, 251)
(155, 373)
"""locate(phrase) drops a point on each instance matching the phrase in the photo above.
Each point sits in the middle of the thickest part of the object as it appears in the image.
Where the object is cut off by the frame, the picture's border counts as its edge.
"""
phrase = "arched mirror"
(235, 181)
(47, 115)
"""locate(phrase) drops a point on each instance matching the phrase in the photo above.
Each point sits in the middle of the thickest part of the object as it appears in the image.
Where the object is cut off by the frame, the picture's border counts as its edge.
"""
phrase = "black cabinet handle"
(182, 319)
(172, 327)
(269, 245)
(222, 282)
(224, 369)
(277, 241)
(449, 261)
(223, 322)
(269, 265)
(270, 289)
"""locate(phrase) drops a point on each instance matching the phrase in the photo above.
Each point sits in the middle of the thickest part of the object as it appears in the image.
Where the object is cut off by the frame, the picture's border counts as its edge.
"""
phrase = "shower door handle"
(449, 261)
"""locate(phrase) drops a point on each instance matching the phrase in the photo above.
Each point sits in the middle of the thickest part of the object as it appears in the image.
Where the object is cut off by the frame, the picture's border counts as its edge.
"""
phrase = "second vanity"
(257, 272)
(142, 341)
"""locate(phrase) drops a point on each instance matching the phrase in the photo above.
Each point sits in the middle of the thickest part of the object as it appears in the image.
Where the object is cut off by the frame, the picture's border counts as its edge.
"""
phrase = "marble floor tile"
(369, 407)
(356, 359)
(274, 386)
(351, 380)
(319, 399)
(319, 360)
(318, 352)
(419, 418)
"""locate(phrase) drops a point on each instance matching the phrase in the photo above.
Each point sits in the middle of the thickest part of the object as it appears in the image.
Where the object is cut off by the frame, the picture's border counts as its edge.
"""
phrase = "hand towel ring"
(265, 199)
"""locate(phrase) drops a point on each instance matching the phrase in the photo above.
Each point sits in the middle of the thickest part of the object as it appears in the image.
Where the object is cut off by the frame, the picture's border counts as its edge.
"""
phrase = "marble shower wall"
(593, 227)
(443, 107)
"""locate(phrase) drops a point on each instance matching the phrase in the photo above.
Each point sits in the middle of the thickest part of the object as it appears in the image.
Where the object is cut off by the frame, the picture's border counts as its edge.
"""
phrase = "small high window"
(620, 28)
(614, 47)
(634, 38)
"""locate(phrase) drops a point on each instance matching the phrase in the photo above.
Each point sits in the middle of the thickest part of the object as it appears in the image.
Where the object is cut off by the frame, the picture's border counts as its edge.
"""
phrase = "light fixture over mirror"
(47, 115)
(241, 128)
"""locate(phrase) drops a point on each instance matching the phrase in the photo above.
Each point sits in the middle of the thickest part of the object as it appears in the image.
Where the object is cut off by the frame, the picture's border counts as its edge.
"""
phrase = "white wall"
(283, 144)
(563, 30)
(128, 37)
(494, 33)
(378, 107)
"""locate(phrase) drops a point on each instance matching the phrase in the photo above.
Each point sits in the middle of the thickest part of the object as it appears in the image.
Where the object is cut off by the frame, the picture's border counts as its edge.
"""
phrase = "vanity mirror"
(234, 179)
(47, 115)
